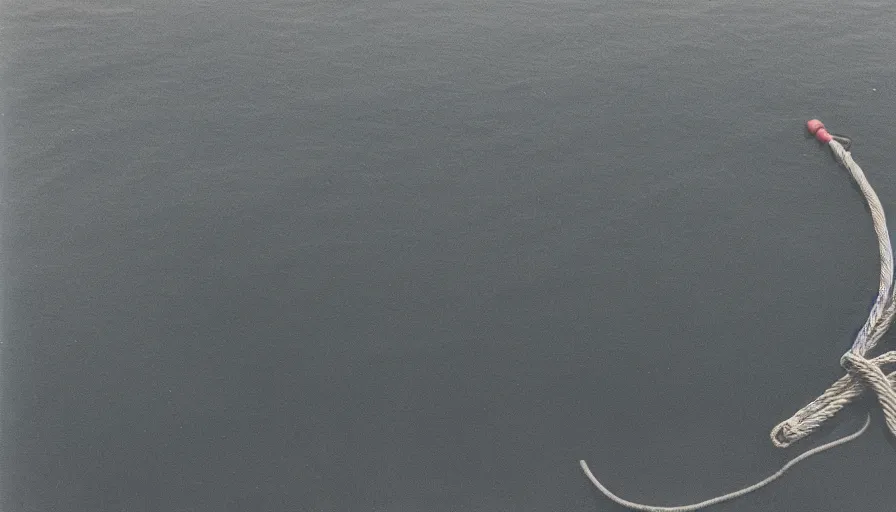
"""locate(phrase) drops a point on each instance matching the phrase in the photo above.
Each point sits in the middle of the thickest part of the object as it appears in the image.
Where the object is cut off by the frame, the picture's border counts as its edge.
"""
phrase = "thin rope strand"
(732, 495)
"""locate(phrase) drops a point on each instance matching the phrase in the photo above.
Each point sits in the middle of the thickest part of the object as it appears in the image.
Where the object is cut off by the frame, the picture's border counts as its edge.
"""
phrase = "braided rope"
(861, 372)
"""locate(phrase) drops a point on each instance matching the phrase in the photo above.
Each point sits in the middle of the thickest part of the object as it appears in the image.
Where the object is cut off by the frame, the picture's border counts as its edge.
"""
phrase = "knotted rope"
(862, 372)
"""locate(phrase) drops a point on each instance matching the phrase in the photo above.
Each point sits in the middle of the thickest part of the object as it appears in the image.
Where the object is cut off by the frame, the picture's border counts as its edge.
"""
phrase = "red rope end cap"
(817, 128)
(814, 125)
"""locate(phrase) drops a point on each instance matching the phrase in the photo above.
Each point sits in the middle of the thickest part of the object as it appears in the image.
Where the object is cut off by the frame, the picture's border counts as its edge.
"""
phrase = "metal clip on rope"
(862, 373)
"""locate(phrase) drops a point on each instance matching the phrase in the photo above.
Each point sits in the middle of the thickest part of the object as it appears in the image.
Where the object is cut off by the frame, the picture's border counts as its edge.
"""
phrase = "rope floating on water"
(862, 372)
(730, 496)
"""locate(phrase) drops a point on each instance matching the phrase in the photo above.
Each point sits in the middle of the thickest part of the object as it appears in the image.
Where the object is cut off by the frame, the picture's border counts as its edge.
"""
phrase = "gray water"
(425, 256)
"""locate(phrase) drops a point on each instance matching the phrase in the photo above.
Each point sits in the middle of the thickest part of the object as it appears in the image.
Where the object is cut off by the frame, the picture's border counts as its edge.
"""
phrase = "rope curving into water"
(862, 372)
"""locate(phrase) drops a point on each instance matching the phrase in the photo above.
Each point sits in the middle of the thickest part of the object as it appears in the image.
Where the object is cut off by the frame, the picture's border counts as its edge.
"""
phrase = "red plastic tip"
(817, 128)
(814, 125)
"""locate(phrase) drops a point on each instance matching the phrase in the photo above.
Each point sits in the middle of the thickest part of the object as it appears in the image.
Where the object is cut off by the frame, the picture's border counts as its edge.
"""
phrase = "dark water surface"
(424, 256)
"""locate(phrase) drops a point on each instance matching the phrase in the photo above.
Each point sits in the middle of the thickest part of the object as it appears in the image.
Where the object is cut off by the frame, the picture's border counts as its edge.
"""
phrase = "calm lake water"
(424, 256)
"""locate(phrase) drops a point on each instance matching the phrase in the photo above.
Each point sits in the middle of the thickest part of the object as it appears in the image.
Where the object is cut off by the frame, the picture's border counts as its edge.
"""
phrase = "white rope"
(730, 496)
(862, 372)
